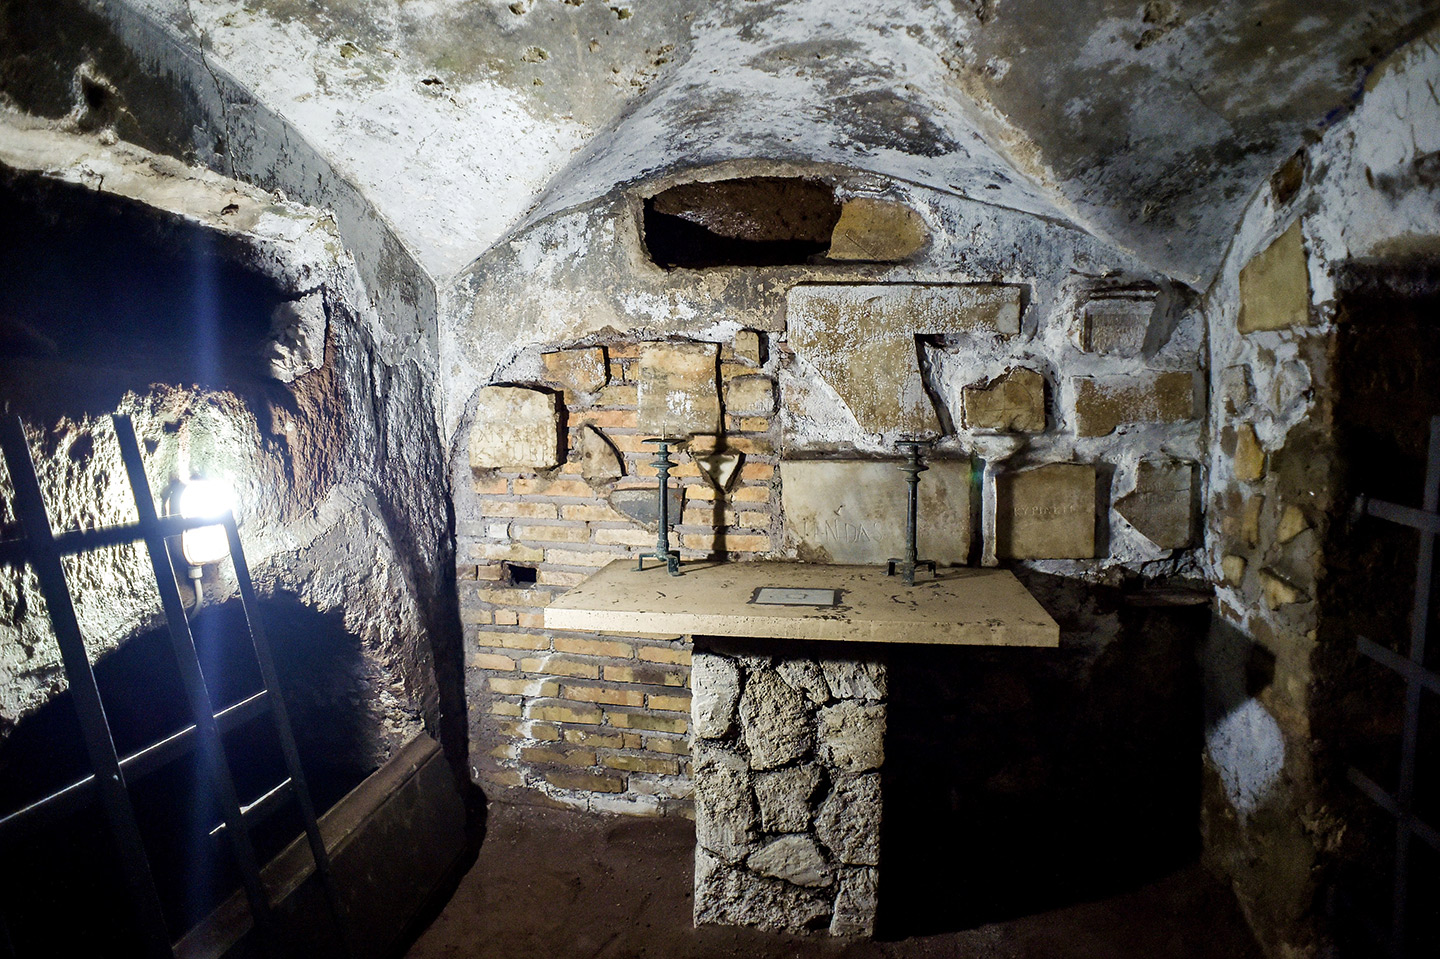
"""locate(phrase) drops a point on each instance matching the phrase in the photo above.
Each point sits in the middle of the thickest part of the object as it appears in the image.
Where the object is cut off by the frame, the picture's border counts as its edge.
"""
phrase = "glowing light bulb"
(205, 499)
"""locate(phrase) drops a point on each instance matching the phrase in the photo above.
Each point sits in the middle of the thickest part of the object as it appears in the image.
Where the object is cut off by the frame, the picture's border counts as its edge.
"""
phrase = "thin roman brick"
(664, 654)
(470, 616)
(516, 640)
(524, 687)
(617, 370)
(513, 552)
(491, 661)
(555, 577)
(553, 534)
(490, 485)
(640, 764)
(507, 617)
(587, 737)
(502, 751)
(623, 537)
(665, 744)
(646, 675)
(466, 571)
(586, 782)
(521, 729)
(594, 647)
(633, 740)
(755, 520)
(570, 557)
(600, 512)
(560, 757)
(754, 424)
(728, 542)
(750, 444)
(731, 370)
(629, 443)
(502, 777)
(531, 620)
(674, 704)
(604, 695)
(503, 707)
(665, 724)
(700, 491)
(524, 510)
(629, 350)
(750, 494)
(607, 419)
(705, 516)
(753, 472)
(669, 787)
(510, 596)
(555, 711)
(571, 488)
(557, 666)
(489, 572)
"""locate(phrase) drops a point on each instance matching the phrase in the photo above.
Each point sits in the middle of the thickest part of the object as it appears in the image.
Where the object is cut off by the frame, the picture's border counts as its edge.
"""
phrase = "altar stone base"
(787, 753)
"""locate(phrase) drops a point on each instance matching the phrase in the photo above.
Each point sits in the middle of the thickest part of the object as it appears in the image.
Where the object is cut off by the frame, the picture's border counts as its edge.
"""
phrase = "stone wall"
(1286, 700)
(1061, 382)
(260, 369)
(601, 720)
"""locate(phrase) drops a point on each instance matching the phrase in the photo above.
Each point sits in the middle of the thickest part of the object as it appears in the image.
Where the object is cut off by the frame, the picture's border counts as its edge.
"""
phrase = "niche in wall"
(749, 221)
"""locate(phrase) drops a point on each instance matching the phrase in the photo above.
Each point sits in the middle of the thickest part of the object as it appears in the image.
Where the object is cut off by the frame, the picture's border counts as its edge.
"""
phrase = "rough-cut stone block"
(1104, 402)
(1292, 524)
(1275, 286)
(600, 463)
(724, 811)
(1249, 455)
(1011, 403)
(1279, 591)
(730, 896)
(677, 392)
(784, 797)
(848, 822)
(795, 858)
(854, 679)
(750, 347)
(1116, 326)
(861, 340)
(775, 719)
(750, 394)
(583, 371)
(643, 505)
(1161, 506)
(1046, 513)
(856, 902)
(853, 512)
(880, 231)
(807, 676)
(515, 428)
(1232, 568)
(852, 736)
(715, 689)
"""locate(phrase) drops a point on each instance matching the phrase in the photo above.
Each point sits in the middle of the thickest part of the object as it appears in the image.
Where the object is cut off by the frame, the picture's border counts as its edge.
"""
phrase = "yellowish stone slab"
(960, 607)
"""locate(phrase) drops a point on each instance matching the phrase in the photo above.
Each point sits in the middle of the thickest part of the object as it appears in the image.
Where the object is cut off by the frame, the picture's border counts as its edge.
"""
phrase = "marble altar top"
(961, 606)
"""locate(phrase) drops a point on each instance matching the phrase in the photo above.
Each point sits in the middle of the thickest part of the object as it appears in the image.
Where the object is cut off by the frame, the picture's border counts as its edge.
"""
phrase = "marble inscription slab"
(854, 511)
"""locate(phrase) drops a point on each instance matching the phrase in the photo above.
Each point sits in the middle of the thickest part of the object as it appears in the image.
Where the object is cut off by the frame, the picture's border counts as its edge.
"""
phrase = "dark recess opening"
(751, 221)
(62, 891)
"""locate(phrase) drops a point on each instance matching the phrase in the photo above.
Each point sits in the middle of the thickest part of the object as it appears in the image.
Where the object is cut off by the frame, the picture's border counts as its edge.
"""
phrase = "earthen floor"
(556, 884)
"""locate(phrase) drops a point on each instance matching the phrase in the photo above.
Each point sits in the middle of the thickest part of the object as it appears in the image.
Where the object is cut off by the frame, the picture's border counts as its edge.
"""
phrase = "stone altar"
(789, 738)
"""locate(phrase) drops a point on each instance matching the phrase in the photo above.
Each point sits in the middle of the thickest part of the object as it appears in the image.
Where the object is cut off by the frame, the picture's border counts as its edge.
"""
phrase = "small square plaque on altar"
(794, 596)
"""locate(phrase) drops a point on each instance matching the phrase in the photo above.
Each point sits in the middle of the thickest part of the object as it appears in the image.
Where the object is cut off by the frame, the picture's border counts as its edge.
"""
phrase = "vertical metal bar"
(1419, 625)
(100, 747)
(202, 711)
(281, 716)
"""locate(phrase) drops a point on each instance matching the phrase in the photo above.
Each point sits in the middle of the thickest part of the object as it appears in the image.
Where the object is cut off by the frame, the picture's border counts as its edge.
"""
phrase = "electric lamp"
(204, 499)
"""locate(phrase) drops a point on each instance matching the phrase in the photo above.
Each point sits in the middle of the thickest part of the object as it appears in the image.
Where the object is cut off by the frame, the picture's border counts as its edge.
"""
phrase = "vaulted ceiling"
(1148, 123)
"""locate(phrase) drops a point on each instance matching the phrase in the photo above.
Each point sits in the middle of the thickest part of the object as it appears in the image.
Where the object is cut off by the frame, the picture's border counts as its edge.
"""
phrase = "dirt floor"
(555, 884)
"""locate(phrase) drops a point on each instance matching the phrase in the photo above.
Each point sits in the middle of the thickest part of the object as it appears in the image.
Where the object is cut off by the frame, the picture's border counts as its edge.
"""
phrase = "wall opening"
(750, 221)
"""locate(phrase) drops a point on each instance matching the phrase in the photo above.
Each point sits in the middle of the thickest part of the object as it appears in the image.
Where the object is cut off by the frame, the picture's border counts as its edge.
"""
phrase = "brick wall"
(593, 720)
